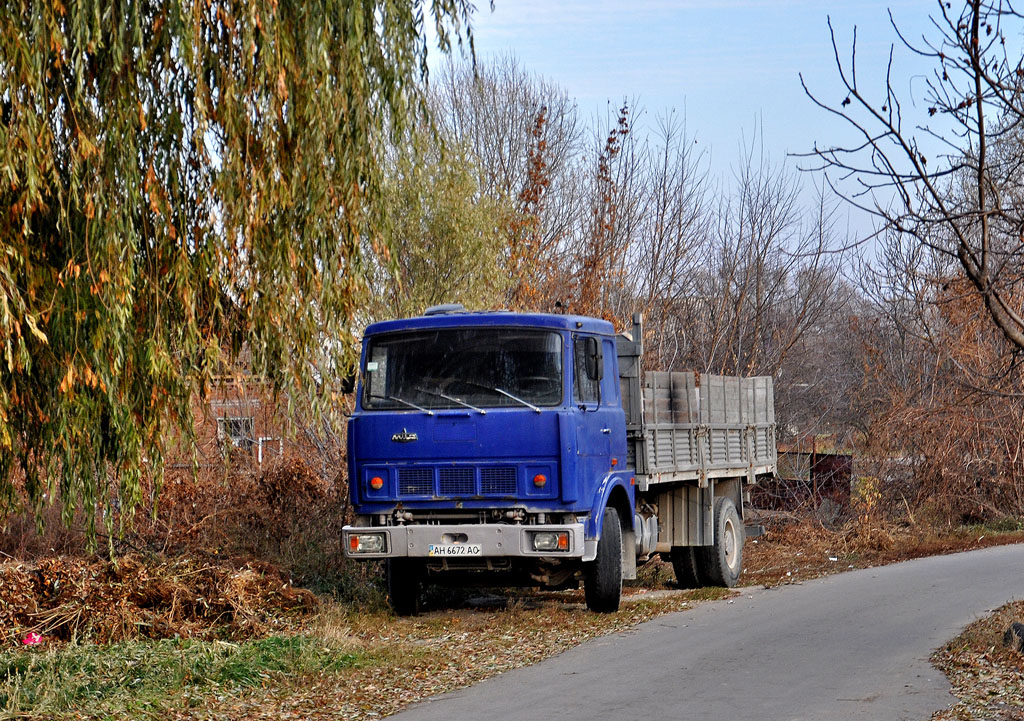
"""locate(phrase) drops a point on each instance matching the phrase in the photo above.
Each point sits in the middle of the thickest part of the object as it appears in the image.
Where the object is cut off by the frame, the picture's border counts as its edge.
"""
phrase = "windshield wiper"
(504, 393)
(517, 398)
(447, 397)
(404, 402)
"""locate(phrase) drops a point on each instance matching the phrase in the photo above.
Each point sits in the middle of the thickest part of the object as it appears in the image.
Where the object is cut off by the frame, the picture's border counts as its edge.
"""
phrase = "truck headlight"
(367, 543)
(557, 541)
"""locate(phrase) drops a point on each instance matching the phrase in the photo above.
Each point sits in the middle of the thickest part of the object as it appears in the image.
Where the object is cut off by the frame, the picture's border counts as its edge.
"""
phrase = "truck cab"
(533, 449)
(486, 443)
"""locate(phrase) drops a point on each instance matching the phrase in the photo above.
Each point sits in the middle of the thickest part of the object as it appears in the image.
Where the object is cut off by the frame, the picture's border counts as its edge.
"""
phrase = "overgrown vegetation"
(940, 322)
(185, 185)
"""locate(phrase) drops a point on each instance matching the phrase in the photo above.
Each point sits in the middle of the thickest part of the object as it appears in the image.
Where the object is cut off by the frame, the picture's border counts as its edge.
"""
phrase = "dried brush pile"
(286, 514)
(106, 601)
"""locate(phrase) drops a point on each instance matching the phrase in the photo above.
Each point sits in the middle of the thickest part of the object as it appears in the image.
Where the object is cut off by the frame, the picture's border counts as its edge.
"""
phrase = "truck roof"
(500, 318)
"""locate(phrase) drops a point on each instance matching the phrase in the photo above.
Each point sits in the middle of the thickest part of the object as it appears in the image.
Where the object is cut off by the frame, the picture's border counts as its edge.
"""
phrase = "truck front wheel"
(602, 582)
(404, 585)
(722, 562)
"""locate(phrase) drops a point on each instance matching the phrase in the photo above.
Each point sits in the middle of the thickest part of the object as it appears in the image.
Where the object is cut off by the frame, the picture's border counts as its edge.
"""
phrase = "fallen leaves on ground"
(416, 658)
(987, 677)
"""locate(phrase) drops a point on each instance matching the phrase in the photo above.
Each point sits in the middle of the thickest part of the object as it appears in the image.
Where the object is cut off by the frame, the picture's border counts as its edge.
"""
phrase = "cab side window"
(587, 388)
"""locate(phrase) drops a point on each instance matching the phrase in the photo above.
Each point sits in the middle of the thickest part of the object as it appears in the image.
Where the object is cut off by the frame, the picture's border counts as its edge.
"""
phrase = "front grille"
(499, 481)
(458, 482)
(416, 481)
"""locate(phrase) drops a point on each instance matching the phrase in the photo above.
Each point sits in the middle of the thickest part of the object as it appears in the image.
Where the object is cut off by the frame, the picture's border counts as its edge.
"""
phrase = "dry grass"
(796, 549)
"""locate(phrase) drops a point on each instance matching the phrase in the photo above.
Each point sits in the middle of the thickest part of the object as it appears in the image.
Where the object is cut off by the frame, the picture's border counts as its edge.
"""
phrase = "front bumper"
(494, 540)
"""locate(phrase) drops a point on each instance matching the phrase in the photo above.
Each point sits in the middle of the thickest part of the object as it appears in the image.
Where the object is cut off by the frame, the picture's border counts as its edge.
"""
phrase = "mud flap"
(628, 555)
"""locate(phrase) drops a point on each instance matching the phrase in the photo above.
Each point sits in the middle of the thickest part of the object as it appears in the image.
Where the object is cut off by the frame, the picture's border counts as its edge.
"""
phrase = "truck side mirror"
(595, 359)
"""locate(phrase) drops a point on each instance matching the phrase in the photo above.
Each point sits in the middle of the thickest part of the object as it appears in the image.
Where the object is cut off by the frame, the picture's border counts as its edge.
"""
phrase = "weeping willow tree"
(181, 182)
(449, 228)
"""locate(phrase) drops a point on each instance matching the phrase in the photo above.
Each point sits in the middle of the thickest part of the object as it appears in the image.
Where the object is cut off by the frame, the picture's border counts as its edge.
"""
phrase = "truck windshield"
(463, 368)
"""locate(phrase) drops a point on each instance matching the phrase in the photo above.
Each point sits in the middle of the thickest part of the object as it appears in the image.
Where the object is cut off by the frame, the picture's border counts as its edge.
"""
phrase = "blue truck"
(504, 448)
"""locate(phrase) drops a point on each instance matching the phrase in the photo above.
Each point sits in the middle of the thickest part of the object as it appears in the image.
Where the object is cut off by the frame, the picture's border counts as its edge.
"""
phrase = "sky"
(731, 68)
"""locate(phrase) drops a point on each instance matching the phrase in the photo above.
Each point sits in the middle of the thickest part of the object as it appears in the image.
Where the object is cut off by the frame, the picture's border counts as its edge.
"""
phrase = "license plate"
(454, 549)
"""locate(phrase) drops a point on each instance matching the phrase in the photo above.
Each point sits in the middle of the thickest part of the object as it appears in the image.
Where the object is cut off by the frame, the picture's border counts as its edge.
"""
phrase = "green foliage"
(182, 183)
(152, 676)
(447, 233)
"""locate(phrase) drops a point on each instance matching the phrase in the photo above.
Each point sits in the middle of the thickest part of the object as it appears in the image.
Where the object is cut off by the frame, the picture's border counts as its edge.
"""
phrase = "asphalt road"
(850, 646)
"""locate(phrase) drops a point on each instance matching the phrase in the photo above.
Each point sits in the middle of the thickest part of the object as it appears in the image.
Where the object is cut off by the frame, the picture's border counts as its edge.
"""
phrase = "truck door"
(593, 426)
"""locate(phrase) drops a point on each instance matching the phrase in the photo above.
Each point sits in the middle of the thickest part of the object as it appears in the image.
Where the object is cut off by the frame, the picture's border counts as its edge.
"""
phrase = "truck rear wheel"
(722, 562)
(602, 582)
(404, 585)
(684, 563)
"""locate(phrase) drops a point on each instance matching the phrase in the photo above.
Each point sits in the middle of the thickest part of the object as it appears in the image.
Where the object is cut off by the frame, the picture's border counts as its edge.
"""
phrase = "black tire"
(602, 581)
(722, 563)
(684, 563)
(404, 585)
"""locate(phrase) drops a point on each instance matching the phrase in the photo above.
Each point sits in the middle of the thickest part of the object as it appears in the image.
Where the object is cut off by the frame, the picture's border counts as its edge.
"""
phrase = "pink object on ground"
(32, 639)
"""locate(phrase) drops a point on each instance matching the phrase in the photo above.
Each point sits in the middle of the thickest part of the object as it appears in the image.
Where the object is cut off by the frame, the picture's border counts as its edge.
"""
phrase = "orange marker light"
(615, 462)
(353, 543)
(539, 480)
(563, 541)
(376, 483)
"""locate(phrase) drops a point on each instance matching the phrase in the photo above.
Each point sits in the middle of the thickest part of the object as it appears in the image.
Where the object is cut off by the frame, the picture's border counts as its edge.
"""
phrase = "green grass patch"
(710, 593)
(1008, 524)
(147, 677)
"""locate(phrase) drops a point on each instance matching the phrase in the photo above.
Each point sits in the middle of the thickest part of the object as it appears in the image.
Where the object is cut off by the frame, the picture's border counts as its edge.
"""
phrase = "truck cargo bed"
(685, 426)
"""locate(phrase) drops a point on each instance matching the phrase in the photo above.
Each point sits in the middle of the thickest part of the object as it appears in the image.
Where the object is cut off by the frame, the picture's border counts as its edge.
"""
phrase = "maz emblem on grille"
(404, 437)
